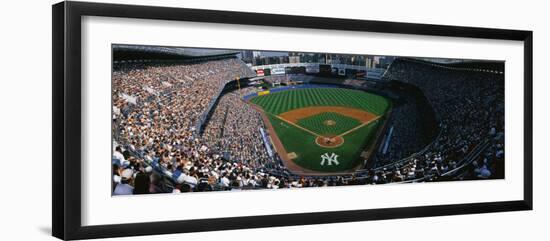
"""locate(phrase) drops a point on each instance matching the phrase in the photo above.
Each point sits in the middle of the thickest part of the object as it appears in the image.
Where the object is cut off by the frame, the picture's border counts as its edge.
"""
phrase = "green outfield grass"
(280, 102)
(302, 143)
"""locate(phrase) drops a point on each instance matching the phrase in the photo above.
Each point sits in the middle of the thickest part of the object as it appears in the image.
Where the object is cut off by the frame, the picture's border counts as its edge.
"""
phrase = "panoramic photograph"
(188, 119)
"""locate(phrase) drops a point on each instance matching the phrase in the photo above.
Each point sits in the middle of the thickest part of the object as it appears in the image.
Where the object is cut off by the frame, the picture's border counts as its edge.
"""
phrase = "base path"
(359, 126)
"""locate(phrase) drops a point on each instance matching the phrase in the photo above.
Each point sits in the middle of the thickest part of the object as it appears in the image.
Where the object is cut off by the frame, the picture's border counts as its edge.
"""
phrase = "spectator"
(125, 186)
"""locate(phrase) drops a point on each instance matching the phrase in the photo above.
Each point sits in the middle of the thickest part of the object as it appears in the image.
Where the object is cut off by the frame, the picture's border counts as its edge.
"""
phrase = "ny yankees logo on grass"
(330, 159)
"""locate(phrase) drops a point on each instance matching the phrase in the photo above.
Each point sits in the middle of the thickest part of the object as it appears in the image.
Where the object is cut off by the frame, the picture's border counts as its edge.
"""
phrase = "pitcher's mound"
(329, 122)
(329, 141)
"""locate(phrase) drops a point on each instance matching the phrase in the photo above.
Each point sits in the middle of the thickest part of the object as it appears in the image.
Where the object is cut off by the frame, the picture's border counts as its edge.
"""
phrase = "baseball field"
(322, 130)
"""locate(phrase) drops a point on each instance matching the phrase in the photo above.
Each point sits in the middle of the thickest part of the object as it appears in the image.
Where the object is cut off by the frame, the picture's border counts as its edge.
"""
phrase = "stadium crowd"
(234, 128)
(470, 106)
(157, 149)
(405, 135)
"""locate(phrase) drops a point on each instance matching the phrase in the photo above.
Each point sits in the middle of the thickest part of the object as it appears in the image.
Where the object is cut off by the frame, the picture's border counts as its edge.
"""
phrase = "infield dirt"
(295, 115)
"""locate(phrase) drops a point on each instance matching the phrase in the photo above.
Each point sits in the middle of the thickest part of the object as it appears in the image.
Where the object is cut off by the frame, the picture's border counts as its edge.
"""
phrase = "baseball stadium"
(197, 120)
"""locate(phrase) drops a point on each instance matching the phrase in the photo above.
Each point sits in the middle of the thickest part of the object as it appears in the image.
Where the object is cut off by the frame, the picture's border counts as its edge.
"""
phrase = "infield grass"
(329, 123)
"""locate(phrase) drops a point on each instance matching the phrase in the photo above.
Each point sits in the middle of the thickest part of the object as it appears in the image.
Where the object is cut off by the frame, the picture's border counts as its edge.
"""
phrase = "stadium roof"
(137, 52)
(494, 65)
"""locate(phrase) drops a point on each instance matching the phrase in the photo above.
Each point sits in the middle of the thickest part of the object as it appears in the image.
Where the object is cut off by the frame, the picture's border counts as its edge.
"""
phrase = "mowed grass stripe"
(339, 98)
(283, 101)
(309, 101)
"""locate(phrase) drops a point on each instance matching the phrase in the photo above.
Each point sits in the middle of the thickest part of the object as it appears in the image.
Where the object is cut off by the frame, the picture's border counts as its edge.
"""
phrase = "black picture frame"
(66, 127)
